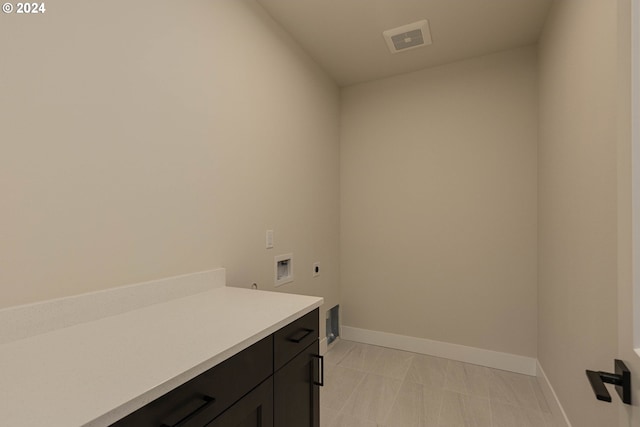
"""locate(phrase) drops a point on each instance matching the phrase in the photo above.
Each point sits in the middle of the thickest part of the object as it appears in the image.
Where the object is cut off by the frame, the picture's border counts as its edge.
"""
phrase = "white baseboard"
(552, 399)
(477, 356)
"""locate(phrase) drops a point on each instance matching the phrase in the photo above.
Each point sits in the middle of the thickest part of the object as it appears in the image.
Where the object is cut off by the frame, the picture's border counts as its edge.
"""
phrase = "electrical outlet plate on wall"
(269, 239)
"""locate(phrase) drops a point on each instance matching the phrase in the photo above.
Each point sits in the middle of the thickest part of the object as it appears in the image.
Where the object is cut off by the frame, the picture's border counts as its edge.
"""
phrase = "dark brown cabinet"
(296, 387)
(253, 410)
(273, 383)
(296, 391)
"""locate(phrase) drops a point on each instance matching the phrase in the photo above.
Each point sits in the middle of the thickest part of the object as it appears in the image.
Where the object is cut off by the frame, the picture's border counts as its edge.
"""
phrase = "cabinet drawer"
(200, 400)
(295, 337)
(253, 410)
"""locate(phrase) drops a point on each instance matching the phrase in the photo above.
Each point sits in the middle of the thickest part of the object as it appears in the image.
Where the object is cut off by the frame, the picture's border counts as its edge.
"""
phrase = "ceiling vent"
(408, 36)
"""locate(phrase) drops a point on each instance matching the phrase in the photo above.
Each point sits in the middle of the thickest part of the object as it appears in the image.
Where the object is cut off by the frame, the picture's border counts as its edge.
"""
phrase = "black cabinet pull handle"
(300, 335)
(621, 379)
(185, 413)
(321, 359)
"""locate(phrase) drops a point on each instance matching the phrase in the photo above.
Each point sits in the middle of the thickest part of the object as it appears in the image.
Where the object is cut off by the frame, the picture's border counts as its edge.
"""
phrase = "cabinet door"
(253, 410)
(297, 398)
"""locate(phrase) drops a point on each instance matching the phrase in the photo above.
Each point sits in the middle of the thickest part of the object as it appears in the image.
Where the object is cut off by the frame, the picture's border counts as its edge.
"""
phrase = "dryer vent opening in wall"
(408, 36)
(333, 324)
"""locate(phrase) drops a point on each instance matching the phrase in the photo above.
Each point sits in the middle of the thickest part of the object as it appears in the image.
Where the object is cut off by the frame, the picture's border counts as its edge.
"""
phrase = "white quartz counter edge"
(94, 373)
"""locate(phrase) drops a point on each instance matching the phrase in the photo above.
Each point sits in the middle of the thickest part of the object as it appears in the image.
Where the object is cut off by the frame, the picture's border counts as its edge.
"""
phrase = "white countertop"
(94, 373)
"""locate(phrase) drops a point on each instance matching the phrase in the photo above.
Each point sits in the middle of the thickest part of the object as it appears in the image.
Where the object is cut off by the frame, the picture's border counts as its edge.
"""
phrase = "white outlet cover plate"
(269, 239)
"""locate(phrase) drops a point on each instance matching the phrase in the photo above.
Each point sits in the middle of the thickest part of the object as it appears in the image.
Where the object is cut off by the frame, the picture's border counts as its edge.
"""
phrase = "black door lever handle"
(621, 379)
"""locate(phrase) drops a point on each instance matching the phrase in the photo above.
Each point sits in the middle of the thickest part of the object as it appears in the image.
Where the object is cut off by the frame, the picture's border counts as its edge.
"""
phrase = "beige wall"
(438, 203)
(153, 138)
(577, 203)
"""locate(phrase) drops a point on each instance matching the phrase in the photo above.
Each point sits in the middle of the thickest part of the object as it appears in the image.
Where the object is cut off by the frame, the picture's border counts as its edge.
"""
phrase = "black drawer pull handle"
(188, 411)
(321, 359)
(300, 335)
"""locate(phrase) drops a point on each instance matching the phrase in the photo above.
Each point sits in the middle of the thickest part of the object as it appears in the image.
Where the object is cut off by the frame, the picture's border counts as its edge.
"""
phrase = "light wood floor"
(369, 386)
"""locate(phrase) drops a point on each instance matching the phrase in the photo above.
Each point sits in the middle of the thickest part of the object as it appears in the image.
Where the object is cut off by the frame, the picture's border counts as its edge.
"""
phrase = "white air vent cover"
(408, 36)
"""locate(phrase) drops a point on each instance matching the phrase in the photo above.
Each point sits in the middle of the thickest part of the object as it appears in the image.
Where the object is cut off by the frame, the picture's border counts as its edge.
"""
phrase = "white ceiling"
(345, 36)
